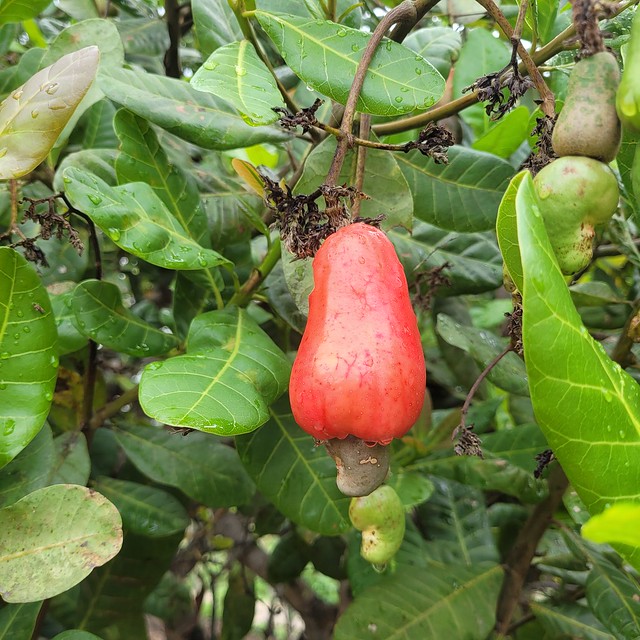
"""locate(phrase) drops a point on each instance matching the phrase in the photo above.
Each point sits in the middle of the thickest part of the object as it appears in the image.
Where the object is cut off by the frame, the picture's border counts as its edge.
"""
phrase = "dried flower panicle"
(434, 142)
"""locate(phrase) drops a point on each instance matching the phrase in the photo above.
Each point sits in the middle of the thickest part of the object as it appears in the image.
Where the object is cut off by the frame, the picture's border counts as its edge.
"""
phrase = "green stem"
(242, 297)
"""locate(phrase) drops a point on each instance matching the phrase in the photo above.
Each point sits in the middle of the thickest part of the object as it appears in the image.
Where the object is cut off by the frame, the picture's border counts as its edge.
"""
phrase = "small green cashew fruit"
(380, 517)
(628, 96)
(575, 195)
(588, 124)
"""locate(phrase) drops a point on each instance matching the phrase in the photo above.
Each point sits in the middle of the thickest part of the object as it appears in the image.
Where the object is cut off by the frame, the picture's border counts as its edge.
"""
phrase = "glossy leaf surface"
(586, 405)
(224, 384)
(138, 222)
(100, 314)
(198, 464)
(28, 357)
(406, 606)
(174, 105)
(463, 195)
(325, 55)
(235, 73)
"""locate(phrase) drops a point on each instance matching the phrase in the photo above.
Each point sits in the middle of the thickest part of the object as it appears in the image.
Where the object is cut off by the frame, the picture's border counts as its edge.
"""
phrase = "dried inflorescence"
(543, 152)
(469, 444)
(52, 224)
(428, 282)
(543, 460)
(501, 89)
(305, 118)
(433, 141)
(303, 226)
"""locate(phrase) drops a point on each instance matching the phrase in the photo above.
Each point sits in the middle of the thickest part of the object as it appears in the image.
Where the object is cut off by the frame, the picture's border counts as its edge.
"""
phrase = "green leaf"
(18, 10)
(293, 473)
(201, 466)
(481, 53)
(18, 621)
(235, 73)
(613, 598)
(470, 541)
(145, 510)
(99, 162)
(326, 55)
(52, 540)
(586, 405)
(100, 314)
(73, 464)
(75, 634)
(112, 598)
(507, 231)
(224, 385)
(412, 488)
(239, 607)
(439, 45)
(504, 138)
(33, 117)
(572, 620)
(413, 605)
(463, 195)
(618, 523)
(215, 24)
(474, 262)
(384, 183)
(29, 470)
(69, 338)
(28, 360)
(483, 346)
(142, 159)
(174, 105)
(137, 221)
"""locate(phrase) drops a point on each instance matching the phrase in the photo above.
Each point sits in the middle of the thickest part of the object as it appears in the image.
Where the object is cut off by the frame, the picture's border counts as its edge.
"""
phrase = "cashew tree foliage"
(176, 184)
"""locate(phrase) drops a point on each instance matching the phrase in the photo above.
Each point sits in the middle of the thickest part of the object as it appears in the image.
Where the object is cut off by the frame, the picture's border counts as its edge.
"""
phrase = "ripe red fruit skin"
(360, 368)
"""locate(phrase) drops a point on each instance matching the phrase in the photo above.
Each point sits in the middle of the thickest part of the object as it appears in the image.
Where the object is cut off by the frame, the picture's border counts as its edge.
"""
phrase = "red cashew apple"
(360, 368)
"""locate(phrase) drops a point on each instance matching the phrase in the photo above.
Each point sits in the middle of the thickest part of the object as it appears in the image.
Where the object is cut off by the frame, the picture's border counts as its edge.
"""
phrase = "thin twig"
(622, 350)
(361, 159)
(404, 12)
(520, 556)
(242, 297)
(474, 388)
(548, 100)
(112, 408)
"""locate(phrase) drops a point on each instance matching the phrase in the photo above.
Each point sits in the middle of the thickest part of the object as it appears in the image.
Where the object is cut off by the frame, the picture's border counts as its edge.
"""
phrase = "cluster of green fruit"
(578, 191)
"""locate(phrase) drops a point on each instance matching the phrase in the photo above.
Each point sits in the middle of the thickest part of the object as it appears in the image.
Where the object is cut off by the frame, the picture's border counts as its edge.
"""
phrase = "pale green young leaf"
(32, 117)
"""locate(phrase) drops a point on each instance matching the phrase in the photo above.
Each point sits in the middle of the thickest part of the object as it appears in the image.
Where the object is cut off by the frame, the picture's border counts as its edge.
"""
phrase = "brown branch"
(112, 408)
(404, 12)
(622, 350)
(520, 556)
(361, 159)
(172, 55)
(318, 616)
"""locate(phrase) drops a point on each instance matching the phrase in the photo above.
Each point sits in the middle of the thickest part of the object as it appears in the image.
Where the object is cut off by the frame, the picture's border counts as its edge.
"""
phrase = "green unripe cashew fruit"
(628, 97)
(380, 517)
(588, 124)
(575, 194)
